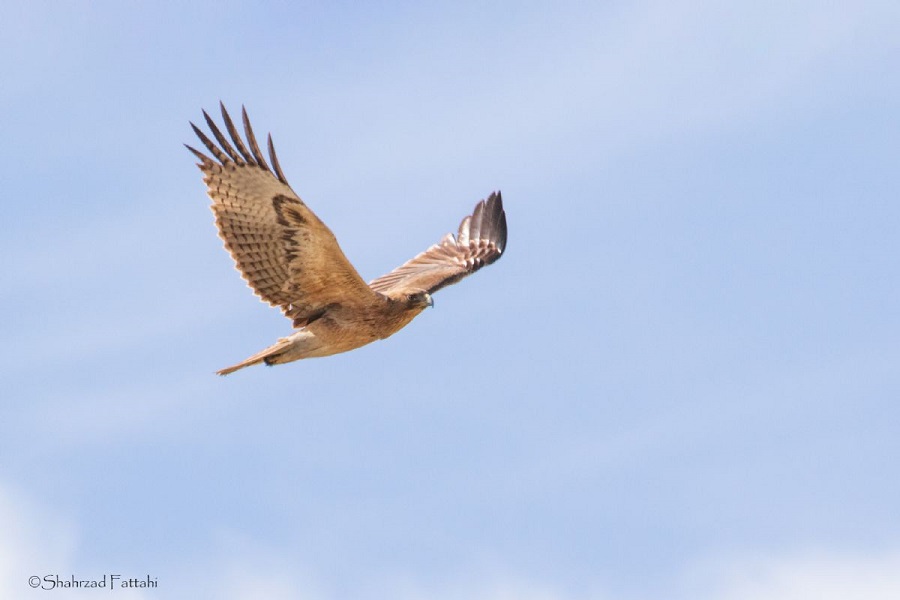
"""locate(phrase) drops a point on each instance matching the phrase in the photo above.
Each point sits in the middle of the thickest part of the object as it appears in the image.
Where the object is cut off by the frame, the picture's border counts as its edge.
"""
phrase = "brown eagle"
(292, 260)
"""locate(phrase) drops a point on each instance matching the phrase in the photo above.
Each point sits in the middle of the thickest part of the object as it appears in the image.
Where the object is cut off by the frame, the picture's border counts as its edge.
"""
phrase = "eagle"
(292, 260)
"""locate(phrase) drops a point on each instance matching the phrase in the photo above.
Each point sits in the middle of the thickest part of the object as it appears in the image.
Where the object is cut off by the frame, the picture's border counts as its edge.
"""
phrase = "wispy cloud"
(612, 79)
(36, 542)
(821, 574)
(33, 541)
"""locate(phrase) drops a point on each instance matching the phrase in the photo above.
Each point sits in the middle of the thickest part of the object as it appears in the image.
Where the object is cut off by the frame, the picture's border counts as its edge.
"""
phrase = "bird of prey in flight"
(292, 260)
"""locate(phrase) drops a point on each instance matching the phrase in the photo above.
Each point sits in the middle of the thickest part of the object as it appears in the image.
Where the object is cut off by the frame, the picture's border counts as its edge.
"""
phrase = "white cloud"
(32, 542)
(820, 575)
(491, 588)
(666, 70)
(814, 575)
(809, 575)
(591, 82)
(37, 542)
(241, 568)
(262, 580)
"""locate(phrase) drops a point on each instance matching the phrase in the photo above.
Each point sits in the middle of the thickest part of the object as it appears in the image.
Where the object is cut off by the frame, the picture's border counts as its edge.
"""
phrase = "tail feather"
(268, 356)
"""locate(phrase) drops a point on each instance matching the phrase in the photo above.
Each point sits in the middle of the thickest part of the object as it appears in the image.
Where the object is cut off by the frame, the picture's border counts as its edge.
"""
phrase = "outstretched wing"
(285, 253)
(480, 241)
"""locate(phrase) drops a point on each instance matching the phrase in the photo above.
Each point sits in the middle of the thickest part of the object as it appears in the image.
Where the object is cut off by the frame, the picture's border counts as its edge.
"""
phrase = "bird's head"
(419, 300)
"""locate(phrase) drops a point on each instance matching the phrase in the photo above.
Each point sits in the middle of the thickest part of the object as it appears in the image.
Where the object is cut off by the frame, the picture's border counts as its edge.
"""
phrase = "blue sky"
(680, 382)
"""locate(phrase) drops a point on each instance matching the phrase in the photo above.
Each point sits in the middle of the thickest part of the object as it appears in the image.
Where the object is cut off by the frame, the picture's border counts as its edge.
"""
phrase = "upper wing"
(480, 241)
(287, 255)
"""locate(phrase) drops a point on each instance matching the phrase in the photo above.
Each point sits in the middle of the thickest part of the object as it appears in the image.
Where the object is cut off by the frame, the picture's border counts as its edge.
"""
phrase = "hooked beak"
(430, 300)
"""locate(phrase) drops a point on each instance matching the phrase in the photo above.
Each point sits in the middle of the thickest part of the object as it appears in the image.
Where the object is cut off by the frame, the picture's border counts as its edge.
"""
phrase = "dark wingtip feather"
(501, 233)
(275, 164)
(204, 159)
(223, 141)
(235, 136)
(213, 149)
(247, 153)
(475, 224)
(251, 139)
(496, 221)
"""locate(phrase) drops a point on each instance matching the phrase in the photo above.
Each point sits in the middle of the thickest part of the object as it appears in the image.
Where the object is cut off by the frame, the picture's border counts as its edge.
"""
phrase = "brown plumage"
(292, 260)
